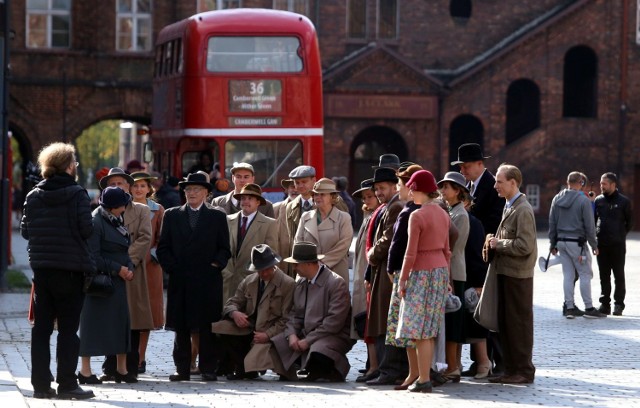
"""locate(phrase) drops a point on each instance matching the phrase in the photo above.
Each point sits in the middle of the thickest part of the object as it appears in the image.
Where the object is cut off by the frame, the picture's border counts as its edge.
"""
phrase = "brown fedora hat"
(115, 172)
(252, 190)
(324, 185)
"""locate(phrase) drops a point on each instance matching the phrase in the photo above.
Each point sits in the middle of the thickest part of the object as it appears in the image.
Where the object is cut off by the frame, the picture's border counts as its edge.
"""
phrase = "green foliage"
(17, 280)
(97, 147)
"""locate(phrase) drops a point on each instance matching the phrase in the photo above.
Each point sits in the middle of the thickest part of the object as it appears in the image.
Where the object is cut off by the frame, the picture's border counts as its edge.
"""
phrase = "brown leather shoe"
(511, 379)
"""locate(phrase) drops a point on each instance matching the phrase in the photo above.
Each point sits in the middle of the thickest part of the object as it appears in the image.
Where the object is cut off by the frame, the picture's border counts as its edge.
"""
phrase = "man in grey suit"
(241, 175)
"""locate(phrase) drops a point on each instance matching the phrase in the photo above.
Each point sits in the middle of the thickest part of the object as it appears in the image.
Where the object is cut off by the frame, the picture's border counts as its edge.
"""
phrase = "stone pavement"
(580, 363)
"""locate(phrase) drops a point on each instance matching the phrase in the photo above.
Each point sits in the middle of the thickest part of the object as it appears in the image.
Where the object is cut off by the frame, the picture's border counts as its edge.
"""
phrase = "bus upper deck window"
(254, 54)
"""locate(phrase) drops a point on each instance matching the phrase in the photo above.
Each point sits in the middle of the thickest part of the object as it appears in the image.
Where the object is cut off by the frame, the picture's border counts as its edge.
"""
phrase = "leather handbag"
(486, 313)
(99, 285)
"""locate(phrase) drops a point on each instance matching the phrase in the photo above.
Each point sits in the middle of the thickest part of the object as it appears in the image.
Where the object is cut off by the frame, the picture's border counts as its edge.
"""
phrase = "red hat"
(423, 181)
(101, 173)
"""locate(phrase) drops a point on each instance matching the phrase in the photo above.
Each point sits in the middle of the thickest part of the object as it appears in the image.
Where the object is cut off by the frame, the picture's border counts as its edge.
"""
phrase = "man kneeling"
(256, 313)
(319, 322)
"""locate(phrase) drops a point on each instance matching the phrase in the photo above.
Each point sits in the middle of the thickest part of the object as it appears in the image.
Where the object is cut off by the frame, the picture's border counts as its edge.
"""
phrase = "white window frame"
(291, 5)
(135, 17)
(397, 21)
(533, 195)
(219, 5)
(49, 12)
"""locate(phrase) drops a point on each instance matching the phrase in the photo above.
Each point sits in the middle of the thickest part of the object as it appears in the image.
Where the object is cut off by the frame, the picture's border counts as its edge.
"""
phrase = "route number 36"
(257, 88)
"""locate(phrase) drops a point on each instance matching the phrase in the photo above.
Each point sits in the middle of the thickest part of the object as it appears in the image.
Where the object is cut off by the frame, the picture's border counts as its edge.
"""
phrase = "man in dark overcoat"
(193, 249)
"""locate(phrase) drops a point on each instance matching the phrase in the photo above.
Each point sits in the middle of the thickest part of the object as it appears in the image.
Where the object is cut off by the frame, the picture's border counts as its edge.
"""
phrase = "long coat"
(460, 218)
(194, 295)
(155, 276)
(272, 314)
(226, 205)
(137, 220)
(378, 255)
(262, 230)
(487, 204)
(284, 243)
(324, 323)
(333, 237)
(359, 298)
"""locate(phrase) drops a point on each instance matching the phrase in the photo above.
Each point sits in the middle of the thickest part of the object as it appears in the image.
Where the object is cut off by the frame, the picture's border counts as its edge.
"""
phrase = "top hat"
(455, 178)
(385, 174)
(324, 185)
(469, 152)
(242, 166)
(302, 171)
(304, 252)
(114, 197)
(115, 172)
(263, 257)
(388, 160)
(423, 181)
(251, 190)
(141, 175)
(198, 178)
(364, 185)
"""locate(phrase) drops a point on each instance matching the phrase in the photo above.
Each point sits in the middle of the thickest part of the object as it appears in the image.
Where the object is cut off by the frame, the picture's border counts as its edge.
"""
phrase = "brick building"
(548, 85)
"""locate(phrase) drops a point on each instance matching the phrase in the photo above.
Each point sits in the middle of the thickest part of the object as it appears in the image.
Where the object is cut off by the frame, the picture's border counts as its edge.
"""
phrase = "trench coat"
(155, 276)
(225, 204)
(333, 237)
(284, 244)
(137, 220)
(324, 323)
(194, 294)
(378, 256)
(359, 298)
(262, 230)
(272, 314)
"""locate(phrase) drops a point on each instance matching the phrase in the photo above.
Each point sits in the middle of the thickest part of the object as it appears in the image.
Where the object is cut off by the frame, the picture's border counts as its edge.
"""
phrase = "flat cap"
(242, 166)
(302, 171)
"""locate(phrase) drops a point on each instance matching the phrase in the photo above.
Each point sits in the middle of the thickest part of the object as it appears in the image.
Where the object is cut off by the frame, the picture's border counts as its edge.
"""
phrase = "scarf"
(117, 222)
(373, 224)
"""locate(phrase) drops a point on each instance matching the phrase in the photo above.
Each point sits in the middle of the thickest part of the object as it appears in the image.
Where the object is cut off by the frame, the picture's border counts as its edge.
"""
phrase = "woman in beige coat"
(327, 227)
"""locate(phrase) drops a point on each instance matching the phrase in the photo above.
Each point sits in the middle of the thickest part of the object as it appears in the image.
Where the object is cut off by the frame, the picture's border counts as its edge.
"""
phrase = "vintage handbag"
(486, 313)
(100, 285)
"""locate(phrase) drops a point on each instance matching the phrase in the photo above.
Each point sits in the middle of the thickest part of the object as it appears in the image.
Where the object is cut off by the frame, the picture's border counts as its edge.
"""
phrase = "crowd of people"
(256, 286)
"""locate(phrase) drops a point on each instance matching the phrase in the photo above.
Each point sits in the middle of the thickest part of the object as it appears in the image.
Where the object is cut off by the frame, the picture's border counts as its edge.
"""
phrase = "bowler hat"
(115, 172)
(302, 171)
(388, 160)
(242, 166)
(455, 178)
(324, 185)
(141, 175)
(423, 181)
(469, 152)
(263, 257)
(385, 174)
(364, 185)
(114, 197)
(251, 189)
(304, 252)
(198, 178)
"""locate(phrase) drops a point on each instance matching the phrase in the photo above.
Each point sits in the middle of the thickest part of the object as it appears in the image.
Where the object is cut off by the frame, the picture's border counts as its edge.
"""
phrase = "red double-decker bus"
(241, 85)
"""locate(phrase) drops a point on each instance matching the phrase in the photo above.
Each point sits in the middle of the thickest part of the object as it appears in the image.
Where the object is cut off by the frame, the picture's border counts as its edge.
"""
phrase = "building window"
(297, 6)
(387, 19)
(357, 19)
(133, 25)
(460, 8)
(523, 109)
(208, 5)
(48, 23)
(533, 195)
(464, 129)
(580, 83)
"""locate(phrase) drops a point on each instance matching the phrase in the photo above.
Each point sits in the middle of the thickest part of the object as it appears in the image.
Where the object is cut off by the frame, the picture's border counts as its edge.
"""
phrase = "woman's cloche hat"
(423, 181)
(114, 197)
(324, 185)
(455, 178)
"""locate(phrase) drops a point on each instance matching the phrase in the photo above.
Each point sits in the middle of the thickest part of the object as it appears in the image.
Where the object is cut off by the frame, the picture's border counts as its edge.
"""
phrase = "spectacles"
(193, 189)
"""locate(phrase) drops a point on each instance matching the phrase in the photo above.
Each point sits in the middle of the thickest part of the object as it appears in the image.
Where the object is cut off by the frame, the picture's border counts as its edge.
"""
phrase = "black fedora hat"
(115, 172)
(469, 152)
(198, 178)
(384, 174)
(364, 185)
(263, 257)
(388, 160)
(304, 252)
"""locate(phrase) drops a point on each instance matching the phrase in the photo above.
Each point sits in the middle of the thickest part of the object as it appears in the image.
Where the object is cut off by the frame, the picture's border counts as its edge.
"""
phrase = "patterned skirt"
(422, 308)
(392, 318)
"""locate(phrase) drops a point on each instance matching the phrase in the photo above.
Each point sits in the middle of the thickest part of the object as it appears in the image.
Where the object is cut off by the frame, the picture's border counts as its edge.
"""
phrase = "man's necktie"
(193, 218)
(472, 188)
(243, 227)
(306, 206)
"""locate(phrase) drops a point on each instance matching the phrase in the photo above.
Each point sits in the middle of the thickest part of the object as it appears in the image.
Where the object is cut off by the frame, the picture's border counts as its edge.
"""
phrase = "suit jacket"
(487, 204)
(194, 294)
(333, 237)
(225, 204)
(272, 314)
(137, 220)
(324, 323)
(378, 256)
(517, 249)
(262, 230)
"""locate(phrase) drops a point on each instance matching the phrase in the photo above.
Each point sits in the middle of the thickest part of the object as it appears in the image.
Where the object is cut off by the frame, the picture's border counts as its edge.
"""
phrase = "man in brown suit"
(256, 313)
(241, 175)
(247, 228)
(318, 327)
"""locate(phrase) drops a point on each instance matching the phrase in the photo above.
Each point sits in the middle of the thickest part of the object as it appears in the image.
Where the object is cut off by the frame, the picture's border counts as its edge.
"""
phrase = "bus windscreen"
(254, 54)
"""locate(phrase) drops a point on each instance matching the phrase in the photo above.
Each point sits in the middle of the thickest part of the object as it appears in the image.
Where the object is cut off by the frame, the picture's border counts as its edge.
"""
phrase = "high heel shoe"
(453, 376)
(425, 387)
(405, 386)
(483, 371)
(128, 378)
(92, 379)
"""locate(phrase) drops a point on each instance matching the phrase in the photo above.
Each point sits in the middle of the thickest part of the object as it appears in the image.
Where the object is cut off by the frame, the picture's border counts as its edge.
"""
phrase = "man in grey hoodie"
(571, 226)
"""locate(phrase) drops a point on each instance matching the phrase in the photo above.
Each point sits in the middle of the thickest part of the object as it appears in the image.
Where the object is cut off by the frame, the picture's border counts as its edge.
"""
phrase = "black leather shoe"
(92, 379)
(209, 377)
(617, 310)
(368, 377)
(382, 380)
(235, 376)
(142, 368)
(77, 393)
(179, 377)
(128, 378)
(48, 394)
(107, 377)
